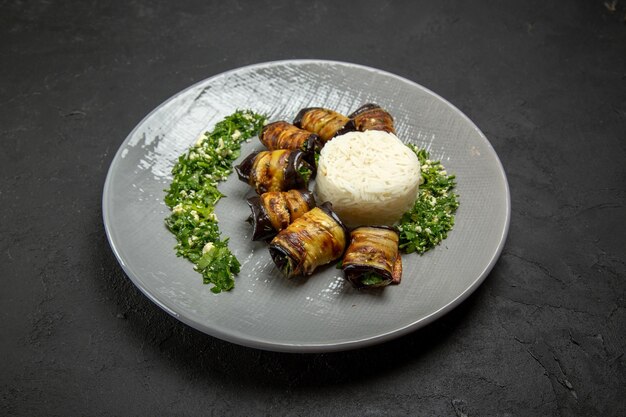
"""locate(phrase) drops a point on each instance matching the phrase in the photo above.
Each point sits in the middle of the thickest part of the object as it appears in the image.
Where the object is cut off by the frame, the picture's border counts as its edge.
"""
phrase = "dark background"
(544, 335)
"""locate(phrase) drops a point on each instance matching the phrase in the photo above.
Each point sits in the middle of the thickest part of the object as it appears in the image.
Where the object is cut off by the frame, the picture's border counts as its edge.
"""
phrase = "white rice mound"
(371, 177)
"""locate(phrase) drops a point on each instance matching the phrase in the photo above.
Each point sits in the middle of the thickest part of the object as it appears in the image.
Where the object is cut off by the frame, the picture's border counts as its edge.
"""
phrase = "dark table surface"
(544, 335)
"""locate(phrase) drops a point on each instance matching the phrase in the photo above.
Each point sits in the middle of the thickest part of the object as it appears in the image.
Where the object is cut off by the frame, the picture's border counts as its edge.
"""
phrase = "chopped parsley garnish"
(371, 279)
(305, 173)
(432, 217)
(193, 194)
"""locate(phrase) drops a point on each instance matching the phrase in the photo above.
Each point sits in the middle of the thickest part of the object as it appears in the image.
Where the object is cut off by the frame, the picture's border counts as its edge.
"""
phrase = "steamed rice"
(371, 177)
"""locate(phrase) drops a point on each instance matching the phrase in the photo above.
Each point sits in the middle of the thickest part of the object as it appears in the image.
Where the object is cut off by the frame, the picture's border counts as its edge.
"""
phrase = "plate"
(322, 313)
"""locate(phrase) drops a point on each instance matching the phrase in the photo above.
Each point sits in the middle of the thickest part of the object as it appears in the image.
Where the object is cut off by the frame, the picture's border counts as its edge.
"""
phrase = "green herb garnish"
(371, 279)
(305, 173)
(287, 268)
(432, 217)
(193, 194)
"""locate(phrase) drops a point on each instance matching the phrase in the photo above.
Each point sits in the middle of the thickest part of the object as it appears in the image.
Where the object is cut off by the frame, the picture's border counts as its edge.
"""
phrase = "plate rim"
(255, 342)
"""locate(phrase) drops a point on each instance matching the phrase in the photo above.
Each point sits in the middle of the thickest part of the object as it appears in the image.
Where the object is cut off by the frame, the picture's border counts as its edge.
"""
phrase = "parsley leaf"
(193, 194)
(432, 216)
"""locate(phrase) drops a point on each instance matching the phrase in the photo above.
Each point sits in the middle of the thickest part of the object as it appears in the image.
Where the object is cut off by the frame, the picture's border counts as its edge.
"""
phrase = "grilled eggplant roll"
(373, 258)
(284, 135)
(313, 240)
(278, 170)
(275, 210)
(323, 122)
(372, 117)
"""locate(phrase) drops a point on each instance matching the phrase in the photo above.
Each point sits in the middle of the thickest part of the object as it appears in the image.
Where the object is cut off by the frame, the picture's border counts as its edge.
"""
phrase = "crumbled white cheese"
(199, 141)
(207, 247)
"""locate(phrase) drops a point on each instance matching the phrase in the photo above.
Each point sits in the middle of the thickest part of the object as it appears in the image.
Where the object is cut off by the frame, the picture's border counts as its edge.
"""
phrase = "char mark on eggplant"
(315, 239)
(284, 135)
(278, 170)
(373, 258)
(372, 117)
(275, 210)
(325, 123)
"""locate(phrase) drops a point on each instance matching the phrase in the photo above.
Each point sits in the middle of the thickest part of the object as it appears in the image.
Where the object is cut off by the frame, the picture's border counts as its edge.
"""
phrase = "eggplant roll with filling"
(313, 240)
(279, 170)
(323, 122)
(372, 117)
(284, 135)
(373, 258)
(275, 210)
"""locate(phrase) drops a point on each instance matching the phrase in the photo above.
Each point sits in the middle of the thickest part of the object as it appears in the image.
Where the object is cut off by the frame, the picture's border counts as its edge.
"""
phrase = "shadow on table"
(162, 337)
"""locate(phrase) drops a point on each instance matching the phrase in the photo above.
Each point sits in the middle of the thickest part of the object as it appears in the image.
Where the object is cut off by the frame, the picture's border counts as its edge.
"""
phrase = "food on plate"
(275, 210)
(372, 117)
(371, 177)
(323, 122)
(430, 219)
(284, 135)
(367, 177)
(278, 170)
(193, 193)
(372, 258)
(313, 240)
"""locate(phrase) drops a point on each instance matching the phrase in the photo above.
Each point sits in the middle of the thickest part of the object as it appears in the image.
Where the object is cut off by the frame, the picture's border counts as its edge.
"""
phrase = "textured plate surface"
(321, 313)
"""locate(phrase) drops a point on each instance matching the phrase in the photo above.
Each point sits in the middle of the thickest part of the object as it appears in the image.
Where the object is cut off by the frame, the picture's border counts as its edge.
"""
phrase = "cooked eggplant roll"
(372, 117)
(278, 170)
(323, 122)
(284, 135)
(373, 258)
(275, 210)
(313, 240)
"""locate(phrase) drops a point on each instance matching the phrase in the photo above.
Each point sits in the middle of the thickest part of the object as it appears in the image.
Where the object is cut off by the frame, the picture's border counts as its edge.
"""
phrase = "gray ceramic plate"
(321, 313)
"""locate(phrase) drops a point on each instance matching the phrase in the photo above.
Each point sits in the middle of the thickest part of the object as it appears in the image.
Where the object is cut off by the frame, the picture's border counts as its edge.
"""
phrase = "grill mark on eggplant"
(327, 208)
(396, 275)
(325, 123)
(298, 202)
(278, 170)
(275, 210)
(284, 135)
(372, 117)
(314, 239)
(373, 250)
